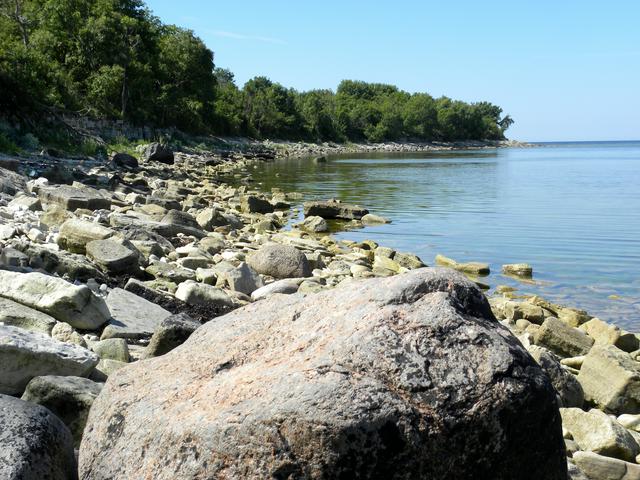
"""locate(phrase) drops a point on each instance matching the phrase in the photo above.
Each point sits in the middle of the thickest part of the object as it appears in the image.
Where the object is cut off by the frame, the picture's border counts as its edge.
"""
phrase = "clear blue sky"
(564, 69)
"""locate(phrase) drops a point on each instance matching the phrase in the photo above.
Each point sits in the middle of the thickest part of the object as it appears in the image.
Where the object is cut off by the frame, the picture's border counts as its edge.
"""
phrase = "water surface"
(572, 210)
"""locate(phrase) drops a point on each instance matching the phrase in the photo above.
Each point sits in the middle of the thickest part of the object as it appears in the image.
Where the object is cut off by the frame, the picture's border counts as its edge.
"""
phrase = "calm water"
(572, 210)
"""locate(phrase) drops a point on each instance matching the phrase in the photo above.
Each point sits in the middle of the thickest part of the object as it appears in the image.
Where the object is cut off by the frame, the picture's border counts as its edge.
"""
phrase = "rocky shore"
(159, 321)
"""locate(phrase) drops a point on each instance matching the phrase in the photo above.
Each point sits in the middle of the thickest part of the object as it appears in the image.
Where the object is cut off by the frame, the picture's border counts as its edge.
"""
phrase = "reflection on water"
(571, 210)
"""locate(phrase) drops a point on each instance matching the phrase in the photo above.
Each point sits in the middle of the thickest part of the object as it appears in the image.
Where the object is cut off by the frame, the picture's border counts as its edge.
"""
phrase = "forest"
(114, 59)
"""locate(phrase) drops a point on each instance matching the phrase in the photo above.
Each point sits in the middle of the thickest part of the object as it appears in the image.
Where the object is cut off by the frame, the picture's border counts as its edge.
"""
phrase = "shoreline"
(191, 235)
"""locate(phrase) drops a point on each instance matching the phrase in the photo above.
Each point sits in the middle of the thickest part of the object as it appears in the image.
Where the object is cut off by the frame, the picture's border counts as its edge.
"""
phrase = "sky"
(563, 69)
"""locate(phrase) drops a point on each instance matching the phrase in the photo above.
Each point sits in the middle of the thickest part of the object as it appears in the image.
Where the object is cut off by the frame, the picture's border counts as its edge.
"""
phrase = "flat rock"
(34, 443)
(132, 316)
(69, 398)
(405, 377)
(113, 257)
(72, 198)
(518, 269)
(25, 354)
(75, 305)
(610, 379)
(596, 432)
(18, 315)
(562, 339)
(76, 233)
(332, 209)
(193, 293)
(599, 467)
(473, 268)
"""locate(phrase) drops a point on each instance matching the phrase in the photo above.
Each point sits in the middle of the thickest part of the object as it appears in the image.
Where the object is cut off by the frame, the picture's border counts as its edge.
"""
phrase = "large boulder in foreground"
(396, 378)
(64, 301)
(34, 443)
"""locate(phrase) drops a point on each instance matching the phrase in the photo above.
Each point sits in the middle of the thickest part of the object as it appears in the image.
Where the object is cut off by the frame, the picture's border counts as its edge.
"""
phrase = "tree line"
(115, 59)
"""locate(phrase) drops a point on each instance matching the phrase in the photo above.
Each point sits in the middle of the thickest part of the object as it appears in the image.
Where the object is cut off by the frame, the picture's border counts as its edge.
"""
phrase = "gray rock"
(34, 443)
(610, 379)
(75, 234)
(569, 390)
(112, 349)
(17, 315)
(157, 152)
(25, 202)
(285, 287)
(313, 224)
(113, 257)
(11, 183)
(105, 368)
(132, 316)
(371, 219)
(172, 332)
(25, 354)
(334, 209)
(280, 261)
(63, 332)
(10, 257)
(599, 467)
(72, 198)
(65, 302)
(518, 269)
(170, 272)
(405, 377)
(175, 222)
(241, 279)
(63, 263)
(69, 398)
(596, 432)
(210, 218)
(193, 293)
(562, 339)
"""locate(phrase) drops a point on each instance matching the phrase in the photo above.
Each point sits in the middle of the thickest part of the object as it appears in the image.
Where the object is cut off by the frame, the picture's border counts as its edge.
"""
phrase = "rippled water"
(572, 210)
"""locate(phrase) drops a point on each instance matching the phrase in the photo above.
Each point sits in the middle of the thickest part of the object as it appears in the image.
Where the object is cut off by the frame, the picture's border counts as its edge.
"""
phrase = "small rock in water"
(518, 269)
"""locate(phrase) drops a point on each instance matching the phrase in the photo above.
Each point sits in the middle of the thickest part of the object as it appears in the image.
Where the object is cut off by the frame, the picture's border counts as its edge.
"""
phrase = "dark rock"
(11, 183)
(253, 204)
(34, 443)
(395, 378)
(172, 332)
(124, 160)
(156, 152)
(334, 209)
(69, 398)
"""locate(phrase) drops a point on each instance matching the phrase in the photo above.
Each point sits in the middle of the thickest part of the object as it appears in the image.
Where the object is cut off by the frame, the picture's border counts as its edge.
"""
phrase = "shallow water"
(572, 210)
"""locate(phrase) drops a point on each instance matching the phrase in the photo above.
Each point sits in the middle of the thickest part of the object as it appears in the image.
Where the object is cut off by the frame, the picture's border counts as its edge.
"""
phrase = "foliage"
(113, 59)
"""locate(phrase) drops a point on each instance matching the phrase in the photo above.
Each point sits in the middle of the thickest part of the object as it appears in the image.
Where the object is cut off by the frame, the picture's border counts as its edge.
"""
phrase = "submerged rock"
(518, 269)
(334, 209)
(473, 268)
(34, 443)
(405, 377)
